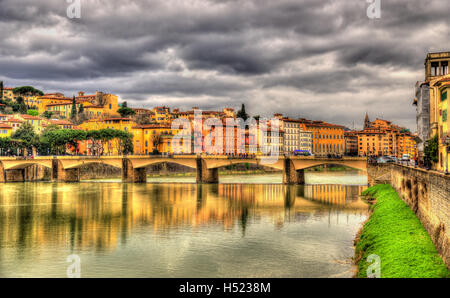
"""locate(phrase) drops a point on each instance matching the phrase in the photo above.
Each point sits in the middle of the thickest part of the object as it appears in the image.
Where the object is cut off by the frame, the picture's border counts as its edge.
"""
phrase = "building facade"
(382, 138)
(327, 138)
(422, 103)
(351, 143)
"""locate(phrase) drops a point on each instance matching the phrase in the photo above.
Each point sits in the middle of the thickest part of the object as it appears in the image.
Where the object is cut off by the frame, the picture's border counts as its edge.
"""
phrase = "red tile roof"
(14, 120)
(149, 126)
(30, 117)
(60, 122)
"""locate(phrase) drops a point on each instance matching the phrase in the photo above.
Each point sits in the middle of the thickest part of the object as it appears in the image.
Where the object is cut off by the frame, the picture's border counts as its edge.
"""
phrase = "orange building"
(382, 138)
(327, 138)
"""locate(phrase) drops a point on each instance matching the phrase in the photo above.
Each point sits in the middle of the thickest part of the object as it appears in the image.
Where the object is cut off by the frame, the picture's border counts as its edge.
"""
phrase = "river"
(246, 226)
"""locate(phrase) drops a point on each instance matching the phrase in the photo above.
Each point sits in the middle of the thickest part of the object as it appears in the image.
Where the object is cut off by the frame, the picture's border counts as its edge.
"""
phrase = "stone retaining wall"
(428, 195)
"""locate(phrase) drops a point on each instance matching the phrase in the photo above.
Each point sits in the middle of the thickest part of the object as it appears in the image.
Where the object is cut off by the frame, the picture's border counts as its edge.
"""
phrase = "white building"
(422, 103)
(306, 140)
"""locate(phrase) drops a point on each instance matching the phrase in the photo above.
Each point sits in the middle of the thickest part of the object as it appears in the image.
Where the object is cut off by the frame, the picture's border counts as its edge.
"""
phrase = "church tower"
(366, 122)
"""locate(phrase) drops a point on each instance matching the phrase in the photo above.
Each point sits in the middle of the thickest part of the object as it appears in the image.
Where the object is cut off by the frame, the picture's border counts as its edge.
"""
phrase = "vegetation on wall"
(431, 150)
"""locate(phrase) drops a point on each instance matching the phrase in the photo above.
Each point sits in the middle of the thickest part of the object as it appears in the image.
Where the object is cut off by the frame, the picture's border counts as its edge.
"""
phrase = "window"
(444, 68)
(434, 68)
(444, 115)
(444, 95)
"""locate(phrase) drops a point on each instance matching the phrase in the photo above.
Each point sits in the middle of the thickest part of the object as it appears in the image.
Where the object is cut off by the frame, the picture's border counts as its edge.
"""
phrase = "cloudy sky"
(317, 59)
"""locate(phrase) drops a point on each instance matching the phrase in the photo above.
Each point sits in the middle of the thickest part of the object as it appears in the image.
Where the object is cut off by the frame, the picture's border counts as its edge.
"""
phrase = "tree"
(125, 111)
(242, 114)
(19, 106)
(81, 109)
(257, 117)
(8, 146)
(27, 136)
(47, 114)
(431, 150)
(32, 113)
(73, 114)
(27, 90)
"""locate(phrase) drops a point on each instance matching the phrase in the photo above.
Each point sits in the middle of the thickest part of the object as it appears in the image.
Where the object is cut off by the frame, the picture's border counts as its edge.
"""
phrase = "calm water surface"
(174, 228)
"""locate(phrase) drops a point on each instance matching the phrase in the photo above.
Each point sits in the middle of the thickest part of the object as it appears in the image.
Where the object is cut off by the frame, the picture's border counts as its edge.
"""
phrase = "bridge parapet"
(67, 168)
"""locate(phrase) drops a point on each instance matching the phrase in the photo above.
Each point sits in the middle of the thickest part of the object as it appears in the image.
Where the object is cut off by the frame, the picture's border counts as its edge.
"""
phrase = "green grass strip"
(395, 234)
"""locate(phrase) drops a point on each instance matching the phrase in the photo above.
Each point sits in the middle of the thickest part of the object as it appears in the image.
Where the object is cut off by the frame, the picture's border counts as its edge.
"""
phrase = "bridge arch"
(143, 163)
(22, 164)
(78, 163)
(219, 163)
(301, 164)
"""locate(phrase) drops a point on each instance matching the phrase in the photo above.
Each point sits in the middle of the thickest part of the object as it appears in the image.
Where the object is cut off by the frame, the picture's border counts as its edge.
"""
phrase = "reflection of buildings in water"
(333, 193)
(101, 215)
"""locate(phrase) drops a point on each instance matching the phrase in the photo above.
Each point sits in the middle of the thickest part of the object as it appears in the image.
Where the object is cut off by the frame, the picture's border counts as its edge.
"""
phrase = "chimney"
(80, 93)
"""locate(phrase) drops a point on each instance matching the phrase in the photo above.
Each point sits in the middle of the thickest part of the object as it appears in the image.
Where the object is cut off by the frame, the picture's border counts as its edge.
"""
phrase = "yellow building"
(109, 148)
(439, 90)
(5, 130)
(150, 138)
(43, 102)
(29, 100)
(161, 115)
(35, 121)
(62, 124)
(13, 122)
(109, 103)
(95, 106)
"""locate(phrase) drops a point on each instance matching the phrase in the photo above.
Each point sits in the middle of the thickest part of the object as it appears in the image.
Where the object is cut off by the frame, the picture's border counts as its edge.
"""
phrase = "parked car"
(405, 157)
(385, 159)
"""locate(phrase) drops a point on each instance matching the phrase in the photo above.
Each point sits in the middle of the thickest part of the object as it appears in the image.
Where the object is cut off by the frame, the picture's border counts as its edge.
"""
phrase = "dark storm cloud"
(287, 56)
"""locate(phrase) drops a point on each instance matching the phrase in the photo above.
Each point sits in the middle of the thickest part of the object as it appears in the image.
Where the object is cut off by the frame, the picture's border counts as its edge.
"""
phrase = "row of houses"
(153, 131)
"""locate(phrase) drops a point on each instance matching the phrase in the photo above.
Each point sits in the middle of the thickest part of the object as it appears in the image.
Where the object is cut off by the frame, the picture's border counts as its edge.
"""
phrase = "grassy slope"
(394, 233)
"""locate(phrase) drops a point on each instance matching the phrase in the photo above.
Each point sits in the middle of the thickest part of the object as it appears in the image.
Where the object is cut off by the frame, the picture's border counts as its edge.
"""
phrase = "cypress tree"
(74, 108)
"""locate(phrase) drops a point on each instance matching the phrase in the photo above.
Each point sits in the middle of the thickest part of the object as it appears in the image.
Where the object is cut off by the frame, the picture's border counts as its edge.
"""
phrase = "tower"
(366, 122)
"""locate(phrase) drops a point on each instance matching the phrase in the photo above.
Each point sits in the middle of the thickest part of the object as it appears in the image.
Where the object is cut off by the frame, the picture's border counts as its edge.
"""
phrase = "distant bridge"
(67, 168)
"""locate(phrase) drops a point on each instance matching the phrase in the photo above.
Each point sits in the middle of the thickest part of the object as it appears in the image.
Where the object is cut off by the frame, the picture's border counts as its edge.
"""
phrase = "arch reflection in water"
(41, 223)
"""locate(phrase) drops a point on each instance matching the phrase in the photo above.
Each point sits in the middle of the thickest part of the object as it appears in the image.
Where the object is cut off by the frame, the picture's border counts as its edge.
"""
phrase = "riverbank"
(395, 234)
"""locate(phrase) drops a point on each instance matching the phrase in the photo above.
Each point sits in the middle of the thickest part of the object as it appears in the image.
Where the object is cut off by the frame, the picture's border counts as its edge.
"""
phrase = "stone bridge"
(67, 168)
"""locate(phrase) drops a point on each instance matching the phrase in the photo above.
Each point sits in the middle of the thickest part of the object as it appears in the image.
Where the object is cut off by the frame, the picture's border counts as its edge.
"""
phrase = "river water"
(246, 226)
